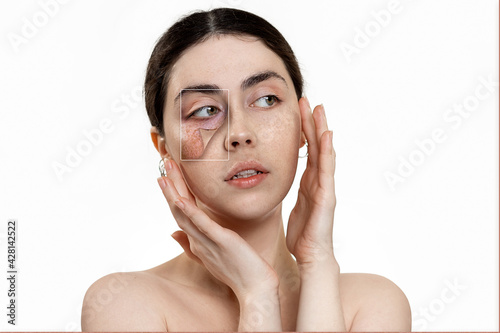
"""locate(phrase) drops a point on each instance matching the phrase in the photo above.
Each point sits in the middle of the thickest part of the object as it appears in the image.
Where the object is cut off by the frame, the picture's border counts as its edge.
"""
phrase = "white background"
(437, 228)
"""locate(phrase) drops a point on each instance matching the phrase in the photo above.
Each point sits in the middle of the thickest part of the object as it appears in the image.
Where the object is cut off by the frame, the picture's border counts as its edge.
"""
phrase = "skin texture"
(198, 127)
(192, 144)
(237, 272)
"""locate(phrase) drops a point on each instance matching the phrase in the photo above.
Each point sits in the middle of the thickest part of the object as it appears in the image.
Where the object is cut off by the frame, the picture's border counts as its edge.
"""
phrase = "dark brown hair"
(196, 28)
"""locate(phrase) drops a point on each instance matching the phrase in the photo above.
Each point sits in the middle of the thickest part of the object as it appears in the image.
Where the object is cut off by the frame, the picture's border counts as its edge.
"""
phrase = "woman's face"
(239, 145)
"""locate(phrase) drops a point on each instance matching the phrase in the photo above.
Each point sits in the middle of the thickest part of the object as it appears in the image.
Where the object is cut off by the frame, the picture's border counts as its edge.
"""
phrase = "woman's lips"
(242, 168)
(248, 182)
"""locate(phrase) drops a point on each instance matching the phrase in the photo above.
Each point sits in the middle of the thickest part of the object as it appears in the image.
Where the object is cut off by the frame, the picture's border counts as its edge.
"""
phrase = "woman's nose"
(241, 134)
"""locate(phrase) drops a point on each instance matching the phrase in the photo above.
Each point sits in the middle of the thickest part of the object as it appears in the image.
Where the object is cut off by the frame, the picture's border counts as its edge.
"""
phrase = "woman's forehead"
(224, 61)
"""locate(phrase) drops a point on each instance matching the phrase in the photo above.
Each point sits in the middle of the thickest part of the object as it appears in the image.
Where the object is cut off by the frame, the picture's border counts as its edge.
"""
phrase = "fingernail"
(180, 204)
(168, 165)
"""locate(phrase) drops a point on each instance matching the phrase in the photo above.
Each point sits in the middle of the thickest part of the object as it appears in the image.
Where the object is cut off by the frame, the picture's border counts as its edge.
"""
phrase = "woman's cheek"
(281, 130)
(191, 144)
(205, 186)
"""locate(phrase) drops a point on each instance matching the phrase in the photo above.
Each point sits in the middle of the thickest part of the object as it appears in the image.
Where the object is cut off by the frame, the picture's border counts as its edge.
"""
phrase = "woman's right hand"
(226, 255)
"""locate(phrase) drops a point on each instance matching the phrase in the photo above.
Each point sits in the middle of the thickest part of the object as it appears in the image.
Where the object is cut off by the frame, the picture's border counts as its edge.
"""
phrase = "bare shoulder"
(374, 303)
(122, 302)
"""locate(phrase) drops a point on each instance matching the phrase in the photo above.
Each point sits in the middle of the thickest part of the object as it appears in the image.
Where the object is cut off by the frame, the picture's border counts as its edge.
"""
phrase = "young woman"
(239, 272)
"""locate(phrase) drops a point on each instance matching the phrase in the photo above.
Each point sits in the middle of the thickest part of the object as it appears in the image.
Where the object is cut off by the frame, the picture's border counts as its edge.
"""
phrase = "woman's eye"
(266, 101)
(205, 111)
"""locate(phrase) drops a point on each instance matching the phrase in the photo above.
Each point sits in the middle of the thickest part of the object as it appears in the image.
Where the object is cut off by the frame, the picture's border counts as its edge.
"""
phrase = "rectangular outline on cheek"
(180, 130)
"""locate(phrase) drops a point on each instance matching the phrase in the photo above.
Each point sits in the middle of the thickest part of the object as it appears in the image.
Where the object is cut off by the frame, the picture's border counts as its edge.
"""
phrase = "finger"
(320, 121)
(189, 217)
(182, 238)
(174, 173)
(308, 128)
(326, 165)
(202, 221)
(183, 221)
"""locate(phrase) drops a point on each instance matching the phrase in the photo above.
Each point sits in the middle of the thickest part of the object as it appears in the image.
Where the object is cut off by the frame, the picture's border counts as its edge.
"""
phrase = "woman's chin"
(248, 210)
(229, 204)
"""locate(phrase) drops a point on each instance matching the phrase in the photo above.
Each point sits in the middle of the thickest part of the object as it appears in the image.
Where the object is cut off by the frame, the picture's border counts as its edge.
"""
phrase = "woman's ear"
(159, 142)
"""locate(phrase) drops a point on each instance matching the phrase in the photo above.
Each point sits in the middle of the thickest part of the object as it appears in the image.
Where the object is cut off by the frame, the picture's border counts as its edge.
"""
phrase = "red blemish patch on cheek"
(191, 144)
(197, 133)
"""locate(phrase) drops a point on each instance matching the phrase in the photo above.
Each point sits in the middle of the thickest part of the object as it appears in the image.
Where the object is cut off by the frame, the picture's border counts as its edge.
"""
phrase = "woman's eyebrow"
(259, 77)
(213, 89)
(209, 89)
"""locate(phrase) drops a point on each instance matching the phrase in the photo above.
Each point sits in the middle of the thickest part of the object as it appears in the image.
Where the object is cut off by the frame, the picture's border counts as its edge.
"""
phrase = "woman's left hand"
(310, 227)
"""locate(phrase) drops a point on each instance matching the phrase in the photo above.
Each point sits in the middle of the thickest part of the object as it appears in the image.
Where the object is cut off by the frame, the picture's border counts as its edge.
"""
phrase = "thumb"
(182, 238)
